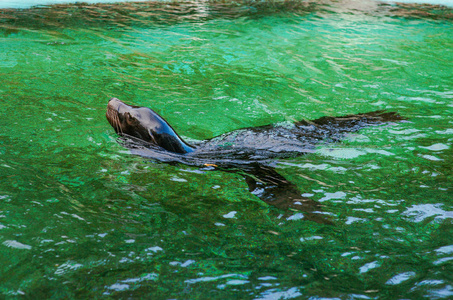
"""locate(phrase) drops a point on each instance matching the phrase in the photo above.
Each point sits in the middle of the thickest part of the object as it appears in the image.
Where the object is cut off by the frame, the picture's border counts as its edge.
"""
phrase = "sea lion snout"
(116, 109)
(114, 103)
(113, 115)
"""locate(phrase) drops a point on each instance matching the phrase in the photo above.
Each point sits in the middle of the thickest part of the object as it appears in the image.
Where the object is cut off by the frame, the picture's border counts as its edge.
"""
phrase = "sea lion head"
(144, 124)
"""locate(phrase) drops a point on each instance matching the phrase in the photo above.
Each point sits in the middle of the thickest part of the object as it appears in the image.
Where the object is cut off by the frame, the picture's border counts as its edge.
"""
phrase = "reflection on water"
(435, 2)
(80, 217)
(30, 3)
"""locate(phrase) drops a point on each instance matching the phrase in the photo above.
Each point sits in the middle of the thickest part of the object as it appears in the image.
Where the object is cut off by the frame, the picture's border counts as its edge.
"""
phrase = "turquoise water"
(80, 217)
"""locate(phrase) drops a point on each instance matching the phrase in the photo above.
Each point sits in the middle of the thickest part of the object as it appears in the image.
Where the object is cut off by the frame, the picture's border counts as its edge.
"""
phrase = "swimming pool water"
(80, 217)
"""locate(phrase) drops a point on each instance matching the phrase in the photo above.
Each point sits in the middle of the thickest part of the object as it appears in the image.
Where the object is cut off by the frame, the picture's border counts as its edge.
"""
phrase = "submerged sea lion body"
(248, 151)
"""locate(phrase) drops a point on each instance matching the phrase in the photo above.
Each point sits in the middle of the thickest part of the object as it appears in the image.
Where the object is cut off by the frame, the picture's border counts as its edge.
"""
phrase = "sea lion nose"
(114, 103)
(113, 100)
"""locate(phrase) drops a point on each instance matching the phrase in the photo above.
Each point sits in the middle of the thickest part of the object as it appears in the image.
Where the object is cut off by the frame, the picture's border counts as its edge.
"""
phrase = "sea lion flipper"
(369, 118)
(332, 126)
(274, 189)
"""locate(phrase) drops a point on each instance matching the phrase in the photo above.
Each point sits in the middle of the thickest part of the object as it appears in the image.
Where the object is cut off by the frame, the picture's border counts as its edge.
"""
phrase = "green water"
(80, 217)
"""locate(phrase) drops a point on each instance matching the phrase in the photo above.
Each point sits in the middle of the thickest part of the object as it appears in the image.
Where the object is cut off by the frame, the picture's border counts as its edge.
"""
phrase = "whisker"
(118, 124)
(114, 120)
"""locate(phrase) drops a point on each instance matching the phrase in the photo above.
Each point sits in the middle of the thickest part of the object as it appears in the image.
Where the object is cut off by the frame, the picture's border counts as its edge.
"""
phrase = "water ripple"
(420, 212)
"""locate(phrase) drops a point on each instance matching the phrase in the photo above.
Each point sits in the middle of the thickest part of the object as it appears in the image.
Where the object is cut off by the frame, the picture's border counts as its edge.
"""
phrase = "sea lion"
(248, 151)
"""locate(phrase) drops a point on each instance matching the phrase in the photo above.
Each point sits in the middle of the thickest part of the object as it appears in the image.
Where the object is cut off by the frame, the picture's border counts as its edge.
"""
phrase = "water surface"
(83, 218)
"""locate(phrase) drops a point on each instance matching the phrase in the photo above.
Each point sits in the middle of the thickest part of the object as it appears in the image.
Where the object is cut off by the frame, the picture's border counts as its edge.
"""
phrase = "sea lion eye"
(128, 117)
(131, 119)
